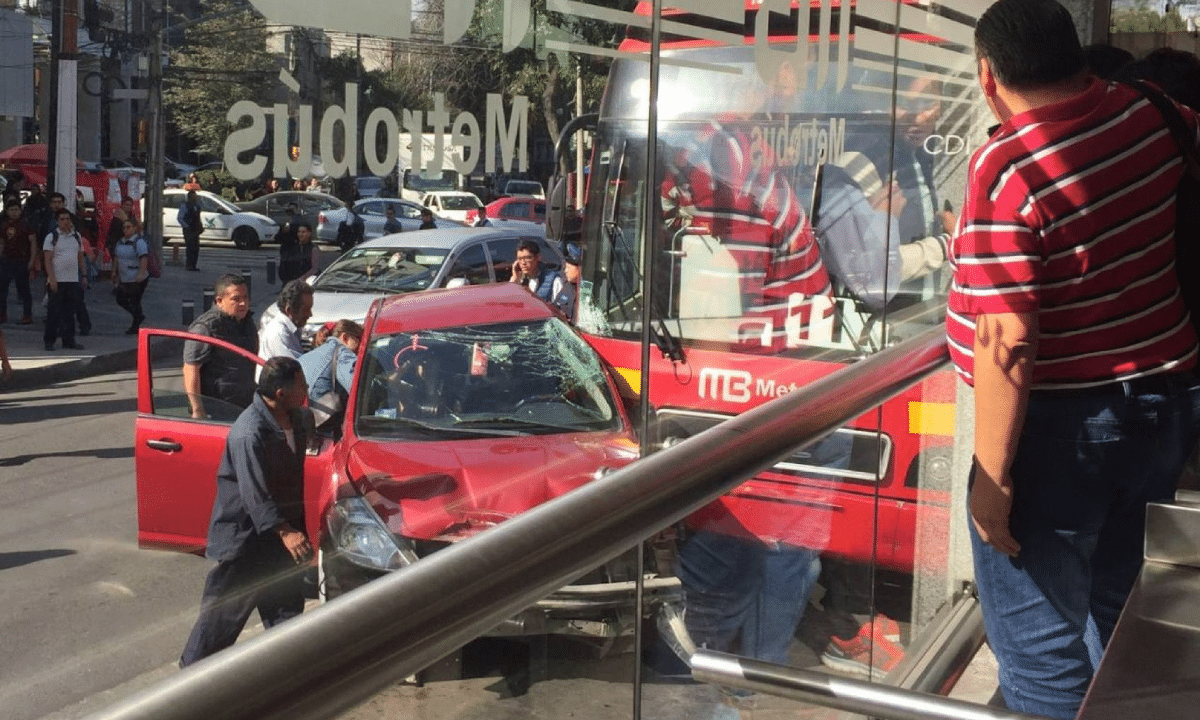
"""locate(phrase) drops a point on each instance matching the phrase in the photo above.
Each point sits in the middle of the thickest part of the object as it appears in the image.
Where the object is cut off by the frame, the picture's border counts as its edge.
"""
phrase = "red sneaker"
(873, 652)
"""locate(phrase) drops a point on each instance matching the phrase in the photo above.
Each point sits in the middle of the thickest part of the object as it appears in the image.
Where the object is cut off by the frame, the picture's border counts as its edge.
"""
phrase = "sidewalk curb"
(39, 377)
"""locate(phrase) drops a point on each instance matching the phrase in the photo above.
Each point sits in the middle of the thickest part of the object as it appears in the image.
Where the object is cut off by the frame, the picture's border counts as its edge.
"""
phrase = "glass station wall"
(765, 196)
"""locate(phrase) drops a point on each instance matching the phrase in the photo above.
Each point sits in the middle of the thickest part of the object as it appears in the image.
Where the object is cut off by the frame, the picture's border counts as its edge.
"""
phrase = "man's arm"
(1005, 347)
(48, 260)
(191, 386)
(35, 257)
(249, 459)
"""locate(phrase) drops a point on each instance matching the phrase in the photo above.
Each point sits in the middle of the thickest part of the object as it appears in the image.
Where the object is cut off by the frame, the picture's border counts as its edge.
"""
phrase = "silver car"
(415, 261)
(373, 212)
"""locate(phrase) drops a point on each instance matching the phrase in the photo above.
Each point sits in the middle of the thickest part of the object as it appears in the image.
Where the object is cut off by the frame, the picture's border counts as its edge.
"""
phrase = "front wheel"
(244, 238)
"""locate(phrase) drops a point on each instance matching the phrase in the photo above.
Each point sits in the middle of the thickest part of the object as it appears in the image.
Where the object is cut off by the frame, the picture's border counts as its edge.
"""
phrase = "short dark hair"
(1106, 60)
(530, 246)
(302, 224)
(227, 281)
(289, 296)
(56, 196)
(278, 374)
(61, 212)
(426, 211)
(1029, 43)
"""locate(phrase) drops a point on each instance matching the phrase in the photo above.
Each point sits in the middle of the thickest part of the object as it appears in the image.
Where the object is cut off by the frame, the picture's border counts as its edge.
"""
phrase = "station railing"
(346, 651)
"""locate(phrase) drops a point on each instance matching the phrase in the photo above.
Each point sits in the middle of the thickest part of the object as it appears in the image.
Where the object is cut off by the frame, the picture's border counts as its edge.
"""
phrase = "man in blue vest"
(545, 282)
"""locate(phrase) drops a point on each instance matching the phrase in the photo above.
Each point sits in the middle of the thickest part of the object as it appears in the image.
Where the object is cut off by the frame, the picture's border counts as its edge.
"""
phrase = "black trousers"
(129, 296)
(191, 247)
(61, 308)
(263, 577)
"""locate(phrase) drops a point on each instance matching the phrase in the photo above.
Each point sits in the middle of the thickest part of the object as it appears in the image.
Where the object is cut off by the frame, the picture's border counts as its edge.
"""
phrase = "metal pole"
(857, 696)
(154, 163)
(650, 233)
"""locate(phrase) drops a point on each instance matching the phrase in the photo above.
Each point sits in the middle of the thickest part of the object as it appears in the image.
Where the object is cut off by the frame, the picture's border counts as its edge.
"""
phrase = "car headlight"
(361, 537)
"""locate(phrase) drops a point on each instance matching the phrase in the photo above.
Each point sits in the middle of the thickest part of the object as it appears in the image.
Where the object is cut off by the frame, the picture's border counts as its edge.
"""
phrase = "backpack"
(1187, 199)
(153, 265)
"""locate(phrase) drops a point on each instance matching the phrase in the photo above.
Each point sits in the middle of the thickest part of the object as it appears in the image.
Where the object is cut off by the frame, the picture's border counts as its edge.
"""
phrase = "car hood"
(334, 306)
(259, 217)
(451, 490)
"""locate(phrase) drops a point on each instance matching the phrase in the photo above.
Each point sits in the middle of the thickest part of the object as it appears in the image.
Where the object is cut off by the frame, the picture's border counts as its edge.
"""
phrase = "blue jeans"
(1086, 465)
(737, 588)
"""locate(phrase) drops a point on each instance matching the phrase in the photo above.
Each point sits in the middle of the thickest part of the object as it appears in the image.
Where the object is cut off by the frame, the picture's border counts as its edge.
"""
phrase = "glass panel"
(504, 254)
(472, 265)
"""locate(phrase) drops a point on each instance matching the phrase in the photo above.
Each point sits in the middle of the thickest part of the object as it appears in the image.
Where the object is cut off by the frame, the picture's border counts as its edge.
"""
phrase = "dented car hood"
(450, 490)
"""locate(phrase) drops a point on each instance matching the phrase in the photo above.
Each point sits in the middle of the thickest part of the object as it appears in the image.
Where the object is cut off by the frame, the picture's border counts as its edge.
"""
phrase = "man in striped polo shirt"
(1065, 316)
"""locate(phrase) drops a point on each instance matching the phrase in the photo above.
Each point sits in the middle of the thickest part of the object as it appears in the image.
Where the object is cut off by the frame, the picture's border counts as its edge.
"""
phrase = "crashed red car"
(469, 406)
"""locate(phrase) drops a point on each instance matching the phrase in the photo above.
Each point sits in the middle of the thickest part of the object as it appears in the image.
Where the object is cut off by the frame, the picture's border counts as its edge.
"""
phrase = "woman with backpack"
(131, 271)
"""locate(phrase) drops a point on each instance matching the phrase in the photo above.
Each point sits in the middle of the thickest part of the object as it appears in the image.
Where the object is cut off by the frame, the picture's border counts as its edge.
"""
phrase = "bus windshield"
(775, 224)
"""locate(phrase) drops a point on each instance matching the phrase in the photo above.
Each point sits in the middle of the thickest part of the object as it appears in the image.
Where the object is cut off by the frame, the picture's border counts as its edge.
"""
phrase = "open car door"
(176, 456)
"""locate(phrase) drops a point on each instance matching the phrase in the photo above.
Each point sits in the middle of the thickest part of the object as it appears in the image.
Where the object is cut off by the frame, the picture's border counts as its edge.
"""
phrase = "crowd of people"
(45, 242)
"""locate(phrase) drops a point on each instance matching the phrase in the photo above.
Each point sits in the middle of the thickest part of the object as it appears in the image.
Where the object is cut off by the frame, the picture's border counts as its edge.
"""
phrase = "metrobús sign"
(458, 143)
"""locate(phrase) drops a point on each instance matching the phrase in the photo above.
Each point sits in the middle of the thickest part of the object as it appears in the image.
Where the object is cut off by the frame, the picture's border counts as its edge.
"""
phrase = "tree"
(1143, 18)
(476, 66)
(205, 78)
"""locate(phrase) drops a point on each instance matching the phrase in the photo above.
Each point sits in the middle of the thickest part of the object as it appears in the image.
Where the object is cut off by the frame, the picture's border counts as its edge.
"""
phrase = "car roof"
(454, 307)
(447, 237)
(294, 193)
(393, 201)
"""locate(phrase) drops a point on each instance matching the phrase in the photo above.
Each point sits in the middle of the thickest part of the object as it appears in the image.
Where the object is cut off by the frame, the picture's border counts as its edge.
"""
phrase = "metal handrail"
(878, 701)
(347, 650)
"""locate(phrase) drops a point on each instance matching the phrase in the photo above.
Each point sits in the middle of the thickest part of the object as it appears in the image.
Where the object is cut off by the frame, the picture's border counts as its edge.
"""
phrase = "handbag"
(330, 403)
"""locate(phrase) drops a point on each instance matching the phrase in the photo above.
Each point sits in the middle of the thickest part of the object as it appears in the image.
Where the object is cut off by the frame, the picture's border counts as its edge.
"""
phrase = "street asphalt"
(107, 348)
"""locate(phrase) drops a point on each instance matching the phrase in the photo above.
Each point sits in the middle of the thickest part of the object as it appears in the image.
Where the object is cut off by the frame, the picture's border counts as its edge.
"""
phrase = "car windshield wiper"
(503, 420)
(375, 422)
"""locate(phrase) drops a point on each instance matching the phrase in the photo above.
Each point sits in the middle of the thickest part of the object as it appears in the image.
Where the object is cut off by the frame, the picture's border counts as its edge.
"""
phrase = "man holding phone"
(545, 282)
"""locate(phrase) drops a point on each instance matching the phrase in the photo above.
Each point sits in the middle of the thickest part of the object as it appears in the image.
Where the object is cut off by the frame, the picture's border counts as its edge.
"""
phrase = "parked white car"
(528, 188)
(452, 204)
(373, 213)
(222, 220)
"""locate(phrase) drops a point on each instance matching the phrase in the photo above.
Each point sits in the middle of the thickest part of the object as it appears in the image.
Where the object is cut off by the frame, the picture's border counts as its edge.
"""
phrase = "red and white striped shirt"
(722, 180)
(1070, 213)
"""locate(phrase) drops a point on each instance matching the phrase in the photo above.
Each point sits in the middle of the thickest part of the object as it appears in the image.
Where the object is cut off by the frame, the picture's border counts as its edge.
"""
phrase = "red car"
(529, 209)
(469, 406)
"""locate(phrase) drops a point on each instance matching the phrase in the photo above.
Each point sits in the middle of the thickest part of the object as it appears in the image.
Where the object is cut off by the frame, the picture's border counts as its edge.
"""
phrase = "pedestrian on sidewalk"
(62, 251)
(191, 226)
(19, 261)
(131, 271)
(299, 257)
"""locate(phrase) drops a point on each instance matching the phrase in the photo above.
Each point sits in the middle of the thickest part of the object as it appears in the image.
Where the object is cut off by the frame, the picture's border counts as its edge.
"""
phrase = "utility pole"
(153, 218)
(61, 137)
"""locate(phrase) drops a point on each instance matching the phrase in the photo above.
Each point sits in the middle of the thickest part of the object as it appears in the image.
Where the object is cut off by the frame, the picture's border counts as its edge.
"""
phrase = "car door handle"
(164, 445)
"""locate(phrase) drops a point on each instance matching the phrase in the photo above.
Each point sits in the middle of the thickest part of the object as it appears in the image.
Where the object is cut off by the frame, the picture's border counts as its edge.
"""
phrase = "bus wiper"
(666, 343)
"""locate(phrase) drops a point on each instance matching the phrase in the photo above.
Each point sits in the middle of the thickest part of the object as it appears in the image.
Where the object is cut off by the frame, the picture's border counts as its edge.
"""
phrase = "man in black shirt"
(211, 372)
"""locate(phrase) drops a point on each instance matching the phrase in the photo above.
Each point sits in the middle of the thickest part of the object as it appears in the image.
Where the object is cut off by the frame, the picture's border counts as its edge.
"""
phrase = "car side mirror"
(556, 209)
(457, 282)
